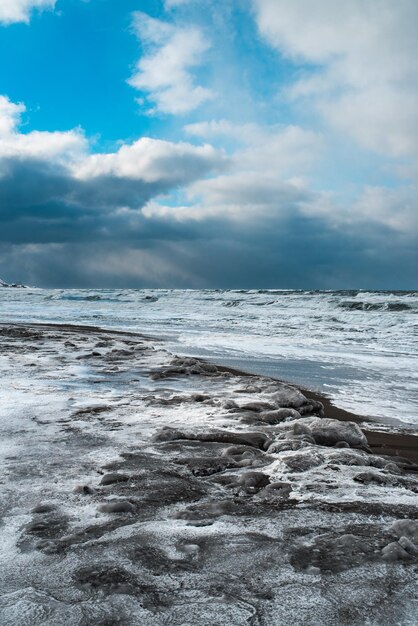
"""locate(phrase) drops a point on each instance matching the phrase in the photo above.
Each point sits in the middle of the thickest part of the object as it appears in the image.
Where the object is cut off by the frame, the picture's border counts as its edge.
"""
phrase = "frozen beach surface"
(360, 348)
(144, 488)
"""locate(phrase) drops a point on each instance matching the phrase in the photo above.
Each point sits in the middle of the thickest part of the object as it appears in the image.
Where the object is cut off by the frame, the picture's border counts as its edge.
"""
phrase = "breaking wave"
(376, 306)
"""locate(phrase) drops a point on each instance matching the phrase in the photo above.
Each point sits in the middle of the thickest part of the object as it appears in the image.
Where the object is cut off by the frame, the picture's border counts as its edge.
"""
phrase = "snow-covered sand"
(143, 488)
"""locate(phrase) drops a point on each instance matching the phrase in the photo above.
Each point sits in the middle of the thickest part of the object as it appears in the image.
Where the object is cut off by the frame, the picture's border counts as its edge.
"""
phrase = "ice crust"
(142, 488)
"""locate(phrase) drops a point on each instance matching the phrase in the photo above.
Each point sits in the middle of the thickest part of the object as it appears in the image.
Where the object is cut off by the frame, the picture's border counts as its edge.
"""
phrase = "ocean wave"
(231, 303)
(396, 292)
(86, 298)
(283, 292)
(375, 306)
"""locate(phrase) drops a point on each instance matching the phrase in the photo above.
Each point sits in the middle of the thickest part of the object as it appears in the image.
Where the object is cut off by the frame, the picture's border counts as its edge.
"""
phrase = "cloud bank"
(52, 188)
(12, 11)
(283, 153)
(361, 74)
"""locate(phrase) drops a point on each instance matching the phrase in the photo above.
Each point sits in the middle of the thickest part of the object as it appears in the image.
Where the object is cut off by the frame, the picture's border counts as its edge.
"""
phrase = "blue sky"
(193, 143)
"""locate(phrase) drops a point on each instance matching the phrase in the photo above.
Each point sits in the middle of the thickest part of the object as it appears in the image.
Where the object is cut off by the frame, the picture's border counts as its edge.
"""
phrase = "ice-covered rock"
(328, 432)
(371, 477)
(408, 546)
(303, 460)
(289, 397)
(299, 437)
(257, 407)
(394, 552)
(279, 415)
(127, 523)
(118, 506)
(251, 482)
(406, 528)
(114, 477)
(185, 366)
(244, 455)
(258, 440)
(287, 445)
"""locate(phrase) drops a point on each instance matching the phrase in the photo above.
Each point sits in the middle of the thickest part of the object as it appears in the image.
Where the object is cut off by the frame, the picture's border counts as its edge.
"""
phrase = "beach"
(140, 487)
(208, 313)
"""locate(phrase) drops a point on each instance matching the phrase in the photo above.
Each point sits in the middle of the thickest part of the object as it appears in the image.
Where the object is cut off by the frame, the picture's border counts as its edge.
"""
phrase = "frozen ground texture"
(140, 488)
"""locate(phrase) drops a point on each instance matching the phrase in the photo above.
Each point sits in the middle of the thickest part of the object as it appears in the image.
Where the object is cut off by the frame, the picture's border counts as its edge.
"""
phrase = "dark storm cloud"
(305, 253)
(59, 230)
(298, 253)
(42, 201)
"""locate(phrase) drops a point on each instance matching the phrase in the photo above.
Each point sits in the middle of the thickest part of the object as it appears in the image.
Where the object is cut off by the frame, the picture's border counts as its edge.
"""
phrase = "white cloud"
(248, 197)
(149, 160)
(363, 55)
(264, 178)
(12, 11)
(356, 68)
(269, 181)
(62, 146)
(171, 4)
(277, 150)
(65, 169)
(10, 113)
(241, 198)
(153, 160)
(251, 198)
(165, 70)
(396, 208)
(392, 208)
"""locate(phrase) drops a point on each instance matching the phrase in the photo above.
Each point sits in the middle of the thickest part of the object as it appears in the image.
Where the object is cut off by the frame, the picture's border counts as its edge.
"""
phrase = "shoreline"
(382, 443)
(394, 444)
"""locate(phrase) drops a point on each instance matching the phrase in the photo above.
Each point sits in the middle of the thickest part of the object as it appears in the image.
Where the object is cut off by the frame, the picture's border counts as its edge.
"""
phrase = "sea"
(358, 347)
